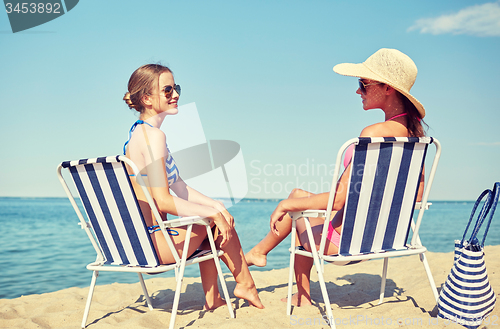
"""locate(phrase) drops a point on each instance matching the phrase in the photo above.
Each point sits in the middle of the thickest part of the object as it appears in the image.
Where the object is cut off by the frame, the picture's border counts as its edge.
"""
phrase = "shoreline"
(353, 291)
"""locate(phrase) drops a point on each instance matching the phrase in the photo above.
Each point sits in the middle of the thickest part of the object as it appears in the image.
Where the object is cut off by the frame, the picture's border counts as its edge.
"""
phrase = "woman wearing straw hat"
(385, 80)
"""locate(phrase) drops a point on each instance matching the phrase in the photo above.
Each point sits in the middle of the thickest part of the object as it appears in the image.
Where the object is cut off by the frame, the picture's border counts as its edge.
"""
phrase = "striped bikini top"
(170, 165)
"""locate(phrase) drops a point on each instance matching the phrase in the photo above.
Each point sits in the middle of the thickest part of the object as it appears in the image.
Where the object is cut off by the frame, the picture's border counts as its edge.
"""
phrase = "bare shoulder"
(151, 135)
(150, 138)
(158, 141)
(374, 130)
(384, 129)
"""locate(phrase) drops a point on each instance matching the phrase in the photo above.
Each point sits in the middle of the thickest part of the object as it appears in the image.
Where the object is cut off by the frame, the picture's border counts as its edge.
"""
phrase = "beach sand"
(353, 293)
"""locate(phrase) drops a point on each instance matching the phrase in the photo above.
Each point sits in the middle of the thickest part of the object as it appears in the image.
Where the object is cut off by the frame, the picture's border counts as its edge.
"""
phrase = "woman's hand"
(224, 222)
(226, 231)
(219, 206)
(277, 216)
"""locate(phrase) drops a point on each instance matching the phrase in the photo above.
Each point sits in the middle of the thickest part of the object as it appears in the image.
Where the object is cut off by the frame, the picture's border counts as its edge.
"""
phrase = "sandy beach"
(353, 293)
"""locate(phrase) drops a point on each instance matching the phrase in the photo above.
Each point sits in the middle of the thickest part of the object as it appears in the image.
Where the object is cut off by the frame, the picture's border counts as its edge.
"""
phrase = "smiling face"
(167, 105)
(158, 100)
(375, 94)
(146, 87)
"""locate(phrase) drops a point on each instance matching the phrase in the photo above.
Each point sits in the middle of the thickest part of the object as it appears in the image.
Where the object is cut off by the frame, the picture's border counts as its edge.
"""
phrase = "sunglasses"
(362, 85)
(169, 90)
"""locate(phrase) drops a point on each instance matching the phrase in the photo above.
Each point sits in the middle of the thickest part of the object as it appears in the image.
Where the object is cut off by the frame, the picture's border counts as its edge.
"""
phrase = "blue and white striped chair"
(117, 230)
(382, 191)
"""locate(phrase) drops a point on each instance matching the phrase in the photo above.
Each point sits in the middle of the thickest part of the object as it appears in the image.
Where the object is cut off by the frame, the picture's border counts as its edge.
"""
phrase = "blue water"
(44, 249)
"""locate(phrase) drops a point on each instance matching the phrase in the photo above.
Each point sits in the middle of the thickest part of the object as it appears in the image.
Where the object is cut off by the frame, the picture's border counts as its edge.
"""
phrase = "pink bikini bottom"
(333, 235)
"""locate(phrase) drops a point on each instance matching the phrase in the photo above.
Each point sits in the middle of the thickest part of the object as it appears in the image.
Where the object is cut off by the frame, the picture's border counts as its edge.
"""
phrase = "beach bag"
(467, 297)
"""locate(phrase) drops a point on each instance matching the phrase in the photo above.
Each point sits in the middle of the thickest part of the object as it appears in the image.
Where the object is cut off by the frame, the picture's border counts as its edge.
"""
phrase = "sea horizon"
(44, 245)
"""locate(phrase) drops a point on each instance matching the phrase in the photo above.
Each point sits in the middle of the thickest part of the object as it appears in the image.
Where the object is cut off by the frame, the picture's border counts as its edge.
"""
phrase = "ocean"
(44, 249)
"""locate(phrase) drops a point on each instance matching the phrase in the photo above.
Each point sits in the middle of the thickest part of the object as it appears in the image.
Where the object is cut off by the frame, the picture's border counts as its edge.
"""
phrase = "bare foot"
(248, 293)
(303, 301)
(254, 258)
(218, 303)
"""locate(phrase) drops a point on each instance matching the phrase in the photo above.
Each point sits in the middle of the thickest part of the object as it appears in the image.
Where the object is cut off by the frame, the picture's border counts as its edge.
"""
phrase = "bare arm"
(314, 201)
(155, 152)
(184, 191)
(421, 186)
(320, 201)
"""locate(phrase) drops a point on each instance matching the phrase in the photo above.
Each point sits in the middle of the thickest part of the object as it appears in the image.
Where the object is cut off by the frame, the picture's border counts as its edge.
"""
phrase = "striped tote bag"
(467, 297)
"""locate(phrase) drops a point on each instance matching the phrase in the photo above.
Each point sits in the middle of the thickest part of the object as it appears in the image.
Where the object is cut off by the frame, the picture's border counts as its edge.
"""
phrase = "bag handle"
(491, 208)
(489, 204)
(478, 201)
(482, 215)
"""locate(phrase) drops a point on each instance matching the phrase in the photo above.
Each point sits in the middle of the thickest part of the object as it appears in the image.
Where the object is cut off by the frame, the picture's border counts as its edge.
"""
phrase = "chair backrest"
(382, 191)
(112, 208)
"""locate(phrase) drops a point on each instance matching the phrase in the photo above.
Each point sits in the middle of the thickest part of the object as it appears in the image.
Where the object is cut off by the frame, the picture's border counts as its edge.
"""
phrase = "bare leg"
(258, 255)
(198, 235)
(302, 268)
(303, 264)
(235, 260)
(208, 273)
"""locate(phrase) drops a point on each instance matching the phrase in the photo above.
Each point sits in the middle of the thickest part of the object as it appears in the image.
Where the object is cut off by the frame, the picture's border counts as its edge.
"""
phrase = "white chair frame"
(415, 247)
(180, 262)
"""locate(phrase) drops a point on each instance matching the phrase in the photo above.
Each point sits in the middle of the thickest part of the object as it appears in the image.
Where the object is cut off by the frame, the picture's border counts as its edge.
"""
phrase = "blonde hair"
(141, 83)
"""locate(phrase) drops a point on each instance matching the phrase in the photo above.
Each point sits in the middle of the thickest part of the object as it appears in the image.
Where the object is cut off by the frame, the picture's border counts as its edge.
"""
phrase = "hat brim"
(362, 71)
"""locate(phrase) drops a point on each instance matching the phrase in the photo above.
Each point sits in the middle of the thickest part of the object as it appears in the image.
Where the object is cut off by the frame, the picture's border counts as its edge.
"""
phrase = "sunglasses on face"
(362, 85)
(169, 90)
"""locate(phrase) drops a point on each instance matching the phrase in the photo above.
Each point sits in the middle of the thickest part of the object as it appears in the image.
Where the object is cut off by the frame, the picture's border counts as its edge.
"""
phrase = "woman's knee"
(316, 227)
(298, 193)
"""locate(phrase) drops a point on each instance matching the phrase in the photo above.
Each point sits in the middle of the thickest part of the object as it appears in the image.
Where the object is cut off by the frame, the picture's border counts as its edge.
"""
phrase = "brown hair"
(415, 124)
(142, 82)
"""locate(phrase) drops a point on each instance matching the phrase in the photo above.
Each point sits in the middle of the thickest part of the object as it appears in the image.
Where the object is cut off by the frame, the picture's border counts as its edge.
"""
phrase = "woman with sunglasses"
(385, 79)
(153, 93)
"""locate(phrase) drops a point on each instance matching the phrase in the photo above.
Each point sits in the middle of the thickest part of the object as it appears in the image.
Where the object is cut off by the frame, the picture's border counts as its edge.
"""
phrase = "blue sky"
(260, 73)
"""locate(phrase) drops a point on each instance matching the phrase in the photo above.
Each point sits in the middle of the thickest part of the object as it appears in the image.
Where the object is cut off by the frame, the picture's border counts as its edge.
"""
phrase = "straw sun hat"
(389, 66)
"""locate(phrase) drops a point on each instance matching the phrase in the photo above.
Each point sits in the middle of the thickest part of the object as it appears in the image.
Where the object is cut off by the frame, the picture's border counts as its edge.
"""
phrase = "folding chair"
(117, 230)
(381, 198)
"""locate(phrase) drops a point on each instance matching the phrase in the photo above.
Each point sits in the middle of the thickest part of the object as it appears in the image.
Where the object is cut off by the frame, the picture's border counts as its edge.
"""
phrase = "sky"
(260, 74)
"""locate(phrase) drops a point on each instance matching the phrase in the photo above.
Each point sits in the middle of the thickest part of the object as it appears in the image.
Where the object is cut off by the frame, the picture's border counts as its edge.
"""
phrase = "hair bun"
(127, 100)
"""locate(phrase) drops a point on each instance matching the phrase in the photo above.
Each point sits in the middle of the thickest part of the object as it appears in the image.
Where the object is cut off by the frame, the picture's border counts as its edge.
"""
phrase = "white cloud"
(479, 20)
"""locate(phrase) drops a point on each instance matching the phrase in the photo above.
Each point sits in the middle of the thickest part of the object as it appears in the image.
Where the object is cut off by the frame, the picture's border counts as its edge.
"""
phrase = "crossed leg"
(303, 264)
(258, 254)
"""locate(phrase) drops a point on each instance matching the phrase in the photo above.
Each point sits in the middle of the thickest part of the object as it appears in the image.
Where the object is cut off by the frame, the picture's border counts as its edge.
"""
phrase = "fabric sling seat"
(118, 232)
(381, 199)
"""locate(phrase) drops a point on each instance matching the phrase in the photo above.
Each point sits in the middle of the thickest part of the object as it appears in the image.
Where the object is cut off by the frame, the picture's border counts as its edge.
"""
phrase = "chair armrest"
(418, 205)
(183, 221)
(307, 213)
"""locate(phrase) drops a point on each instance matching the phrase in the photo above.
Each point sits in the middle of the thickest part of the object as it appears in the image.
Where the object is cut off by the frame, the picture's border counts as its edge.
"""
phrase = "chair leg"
(180, 278)
(382, 286)
(177, 296)
(321, 279)
(145, 291)
(423, 259)
(95, 274)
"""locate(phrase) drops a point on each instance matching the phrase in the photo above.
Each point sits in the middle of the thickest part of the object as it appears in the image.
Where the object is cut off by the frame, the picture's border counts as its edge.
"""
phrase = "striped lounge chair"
(117, 230)
(382, 191)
